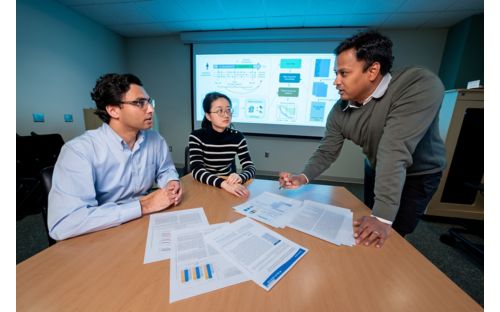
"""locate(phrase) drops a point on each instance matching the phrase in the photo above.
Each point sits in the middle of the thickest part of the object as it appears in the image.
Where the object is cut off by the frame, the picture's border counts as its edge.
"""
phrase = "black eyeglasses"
(221, 112)
(141, 103)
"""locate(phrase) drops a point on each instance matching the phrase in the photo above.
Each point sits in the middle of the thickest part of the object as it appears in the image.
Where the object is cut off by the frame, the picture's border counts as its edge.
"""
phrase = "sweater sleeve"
(329, 148)
(413, 110)
(248, 168)
(200, 173)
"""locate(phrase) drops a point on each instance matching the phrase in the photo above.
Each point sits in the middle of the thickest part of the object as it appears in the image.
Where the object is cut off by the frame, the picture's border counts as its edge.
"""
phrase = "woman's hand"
(234, 178)
(235, 189)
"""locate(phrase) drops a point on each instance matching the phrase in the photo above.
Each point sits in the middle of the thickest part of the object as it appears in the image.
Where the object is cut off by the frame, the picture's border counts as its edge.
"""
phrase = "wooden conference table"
(104, 271)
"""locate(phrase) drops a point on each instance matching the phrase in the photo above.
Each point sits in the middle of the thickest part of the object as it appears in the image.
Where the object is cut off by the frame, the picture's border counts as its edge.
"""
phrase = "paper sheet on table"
(269, 208)
(196, 267)
(161, 224)
(263, 255)
(330, 223)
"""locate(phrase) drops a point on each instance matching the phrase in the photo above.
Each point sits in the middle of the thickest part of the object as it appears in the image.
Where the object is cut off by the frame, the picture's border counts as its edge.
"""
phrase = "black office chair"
(46, 181)
(33, 153)
(28, 190)
(466, 237)
(465, 180)
(187, 167)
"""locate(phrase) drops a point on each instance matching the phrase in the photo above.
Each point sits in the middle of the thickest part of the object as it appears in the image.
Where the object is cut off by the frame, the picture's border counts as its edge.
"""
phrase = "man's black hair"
(109, 90)
(370, 47)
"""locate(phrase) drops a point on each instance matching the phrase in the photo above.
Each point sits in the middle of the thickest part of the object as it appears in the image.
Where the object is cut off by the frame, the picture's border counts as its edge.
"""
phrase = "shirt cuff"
(383, 220)
(307, 179)
(129, 211)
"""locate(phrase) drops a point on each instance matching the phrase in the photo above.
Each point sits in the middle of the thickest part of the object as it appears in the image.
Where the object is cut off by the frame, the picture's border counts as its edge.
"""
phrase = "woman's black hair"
(207, 106)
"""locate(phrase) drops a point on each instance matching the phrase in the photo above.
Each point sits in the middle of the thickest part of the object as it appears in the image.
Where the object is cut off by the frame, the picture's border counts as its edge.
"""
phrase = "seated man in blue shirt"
(101, 178)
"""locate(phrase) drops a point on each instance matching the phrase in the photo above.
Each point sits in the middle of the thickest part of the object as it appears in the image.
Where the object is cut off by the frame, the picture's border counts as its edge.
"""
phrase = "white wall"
(60, 54)
(164, 65)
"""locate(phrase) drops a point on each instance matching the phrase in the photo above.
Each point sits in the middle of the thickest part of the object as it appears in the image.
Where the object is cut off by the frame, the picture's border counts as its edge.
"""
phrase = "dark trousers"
(417, 192)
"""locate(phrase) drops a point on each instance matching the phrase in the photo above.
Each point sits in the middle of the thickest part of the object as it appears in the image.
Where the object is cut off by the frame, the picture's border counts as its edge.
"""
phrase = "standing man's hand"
(174, 191)
(289, 181)
(370, 230)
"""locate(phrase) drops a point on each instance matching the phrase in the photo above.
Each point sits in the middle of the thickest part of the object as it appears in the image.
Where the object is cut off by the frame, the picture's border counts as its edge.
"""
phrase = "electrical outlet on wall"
(170, 148)
(266, 154)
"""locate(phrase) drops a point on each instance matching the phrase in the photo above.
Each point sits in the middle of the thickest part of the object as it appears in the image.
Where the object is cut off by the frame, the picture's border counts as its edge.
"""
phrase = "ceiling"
(138, 18)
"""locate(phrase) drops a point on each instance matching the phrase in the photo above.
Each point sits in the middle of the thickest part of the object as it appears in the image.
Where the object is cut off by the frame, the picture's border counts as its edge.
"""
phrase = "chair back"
(187, 167)
(46, 181)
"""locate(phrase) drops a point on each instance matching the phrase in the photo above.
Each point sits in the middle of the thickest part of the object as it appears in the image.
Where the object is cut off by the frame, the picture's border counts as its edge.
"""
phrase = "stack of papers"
(331, 223)
(196, 267)
(208, 257)
(263, 255)
(270, 208)
(162, 224)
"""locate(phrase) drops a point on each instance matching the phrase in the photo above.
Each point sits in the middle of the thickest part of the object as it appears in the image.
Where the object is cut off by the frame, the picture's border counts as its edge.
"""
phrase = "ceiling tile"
(109, 14)
(369, 20)
(248, 23)
(425, 5)
(467, 5)
(92, 2)
(377, 6)
(286, 7)
(318, 7)
(408, 20)
(163, 11)
(202, 9)
(236, 9)
(170, 16)
(447, 19)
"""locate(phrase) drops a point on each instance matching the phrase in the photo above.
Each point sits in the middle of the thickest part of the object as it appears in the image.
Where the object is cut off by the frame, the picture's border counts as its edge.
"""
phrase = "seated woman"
(213, 148)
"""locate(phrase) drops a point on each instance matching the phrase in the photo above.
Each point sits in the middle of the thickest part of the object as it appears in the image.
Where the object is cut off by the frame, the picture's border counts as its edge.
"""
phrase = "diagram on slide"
(286, 89)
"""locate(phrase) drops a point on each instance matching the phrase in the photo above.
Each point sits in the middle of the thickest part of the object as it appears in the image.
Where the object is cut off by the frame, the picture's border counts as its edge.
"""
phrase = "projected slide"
(272, 89)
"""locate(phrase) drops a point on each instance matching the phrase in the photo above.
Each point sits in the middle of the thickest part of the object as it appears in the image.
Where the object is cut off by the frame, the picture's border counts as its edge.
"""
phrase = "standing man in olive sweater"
(394, 118)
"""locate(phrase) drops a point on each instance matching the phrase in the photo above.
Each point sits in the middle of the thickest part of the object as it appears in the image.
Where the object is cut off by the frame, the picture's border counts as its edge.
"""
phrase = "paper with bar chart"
(160, 227)
(197, 268)
(328, 222)
(263, 255)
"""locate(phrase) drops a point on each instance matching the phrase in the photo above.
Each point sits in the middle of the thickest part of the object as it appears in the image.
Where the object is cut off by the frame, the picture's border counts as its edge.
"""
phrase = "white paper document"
(196, 267)
(270, 208)
(331, 223)
(263, 255)
(161, 224)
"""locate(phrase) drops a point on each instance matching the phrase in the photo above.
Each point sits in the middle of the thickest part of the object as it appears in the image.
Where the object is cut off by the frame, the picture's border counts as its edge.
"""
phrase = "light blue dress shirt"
(98, 180)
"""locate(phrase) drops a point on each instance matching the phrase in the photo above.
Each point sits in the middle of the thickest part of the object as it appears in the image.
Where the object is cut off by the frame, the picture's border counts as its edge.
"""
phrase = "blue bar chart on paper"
(199, 272)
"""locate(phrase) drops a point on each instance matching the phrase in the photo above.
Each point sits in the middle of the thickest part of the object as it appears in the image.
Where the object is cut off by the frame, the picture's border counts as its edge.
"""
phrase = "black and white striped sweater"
(211, 155)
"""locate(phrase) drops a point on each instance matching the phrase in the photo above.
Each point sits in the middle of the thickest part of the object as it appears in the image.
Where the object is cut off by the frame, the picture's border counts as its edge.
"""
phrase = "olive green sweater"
(399, 134)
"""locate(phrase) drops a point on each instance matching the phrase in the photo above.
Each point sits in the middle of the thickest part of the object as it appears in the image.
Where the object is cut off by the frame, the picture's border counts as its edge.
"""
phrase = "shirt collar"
(118, 139)
(378, 93)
